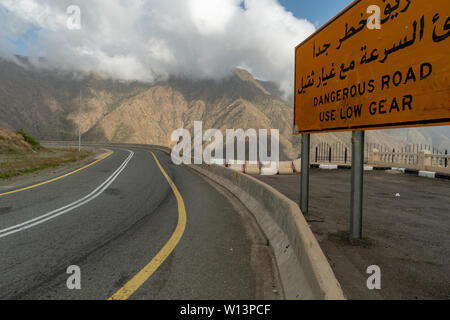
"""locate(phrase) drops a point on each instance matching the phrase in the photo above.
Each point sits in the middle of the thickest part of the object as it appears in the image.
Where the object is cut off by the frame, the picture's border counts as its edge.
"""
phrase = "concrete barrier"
(402, 170)
(285, 167)
(427, 174)
(251, 167)
(328, 166)
(304, 270)
(269, 169)
(297, 165)
(236, 166)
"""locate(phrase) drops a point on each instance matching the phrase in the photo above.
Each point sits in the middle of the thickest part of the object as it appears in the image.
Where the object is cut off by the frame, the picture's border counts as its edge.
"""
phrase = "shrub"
(29, 139)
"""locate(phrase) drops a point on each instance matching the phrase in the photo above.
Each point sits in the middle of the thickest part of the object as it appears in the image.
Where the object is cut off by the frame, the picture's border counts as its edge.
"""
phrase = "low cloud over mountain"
(152, 40)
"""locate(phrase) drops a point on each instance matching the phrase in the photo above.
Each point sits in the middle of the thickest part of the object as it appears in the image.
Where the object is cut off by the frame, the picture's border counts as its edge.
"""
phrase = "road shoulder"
(263, 262)
(50, 173)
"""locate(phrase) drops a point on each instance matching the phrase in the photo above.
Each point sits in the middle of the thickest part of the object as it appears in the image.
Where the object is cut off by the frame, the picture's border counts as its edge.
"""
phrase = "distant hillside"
(46, 104)
(439, 137)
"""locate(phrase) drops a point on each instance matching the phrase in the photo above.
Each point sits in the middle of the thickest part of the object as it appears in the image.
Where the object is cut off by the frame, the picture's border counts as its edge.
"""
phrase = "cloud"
(147, 40)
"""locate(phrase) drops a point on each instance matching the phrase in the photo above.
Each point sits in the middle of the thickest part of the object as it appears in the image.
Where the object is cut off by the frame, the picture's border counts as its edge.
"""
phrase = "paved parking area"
(407, 236)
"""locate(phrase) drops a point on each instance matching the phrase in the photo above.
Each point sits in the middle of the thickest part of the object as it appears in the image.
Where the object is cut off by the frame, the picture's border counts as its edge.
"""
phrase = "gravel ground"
(407, 236)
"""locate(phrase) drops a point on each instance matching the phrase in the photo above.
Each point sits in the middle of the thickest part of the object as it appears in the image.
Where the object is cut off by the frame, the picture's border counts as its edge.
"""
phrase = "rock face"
(46, 104)
(238, 102)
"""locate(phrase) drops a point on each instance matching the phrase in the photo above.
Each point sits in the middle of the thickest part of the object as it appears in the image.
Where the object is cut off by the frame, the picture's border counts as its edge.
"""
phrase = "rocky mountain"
(438, 137)
(46, 104)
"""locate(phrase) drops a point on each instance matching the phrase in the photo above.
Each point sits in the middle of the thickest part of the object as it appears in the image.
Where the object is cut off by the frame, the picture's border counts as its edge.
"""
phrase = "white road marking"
(56, 213)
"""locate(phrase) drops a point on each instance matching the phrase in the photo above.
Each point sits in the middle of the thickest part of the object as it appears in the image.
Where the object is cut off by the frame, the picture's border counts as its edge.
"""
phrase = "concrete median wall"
(304, 270)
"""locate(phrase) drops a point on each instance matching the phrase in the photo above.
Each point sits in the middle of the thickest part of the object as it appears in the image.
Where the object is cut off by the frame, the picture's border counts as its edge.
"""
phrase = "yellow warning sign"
(378, 64)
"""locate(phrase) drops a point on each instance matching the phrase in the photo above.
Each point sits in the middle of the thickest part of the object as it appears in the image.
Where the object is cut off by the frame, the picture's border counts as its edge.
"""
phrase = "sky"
(317, 11)
(153, 39)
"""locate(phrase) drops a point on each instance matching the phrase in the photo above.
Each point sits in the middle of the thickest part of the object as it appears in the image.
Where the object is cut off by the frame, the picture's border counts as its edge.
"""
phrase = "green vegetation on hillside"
(21, 154)
(29, 139)
(12, 143)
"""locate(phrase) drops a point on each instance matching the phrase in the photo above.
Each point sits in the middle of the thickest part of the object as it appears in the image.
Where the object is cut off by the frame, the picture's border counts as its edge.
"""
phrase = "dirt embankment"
(21, 154)
(11, 143)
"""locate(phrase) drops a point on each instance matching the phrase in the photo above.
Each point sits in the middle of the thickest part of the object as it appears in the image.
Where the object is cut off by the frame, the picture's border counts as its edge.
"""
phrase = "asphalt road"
(113, 218)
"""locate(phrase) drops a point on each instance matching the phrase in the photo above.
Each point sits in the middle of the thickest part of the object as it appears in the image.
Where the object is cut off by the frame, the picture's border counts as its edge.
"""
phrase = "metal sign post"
(397, 78)
(304, 195)
(357, 185)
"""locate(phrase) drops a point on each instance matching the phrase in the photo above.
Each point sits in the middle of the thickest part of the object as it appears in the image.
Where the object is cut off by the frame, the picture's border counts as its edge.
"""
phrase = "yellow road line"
(57, 178)
(138, 280)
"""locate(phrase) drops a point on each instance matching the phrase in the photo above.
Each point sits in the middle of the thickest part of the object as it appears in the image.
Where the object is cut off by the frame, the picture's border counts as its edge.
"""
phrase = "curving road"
(138, 227)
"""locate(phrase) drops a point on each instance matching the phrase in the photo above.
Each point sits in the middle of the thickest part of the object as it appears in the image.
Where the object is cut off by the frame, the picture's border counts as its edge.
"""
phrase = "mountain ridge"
(46, 104)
